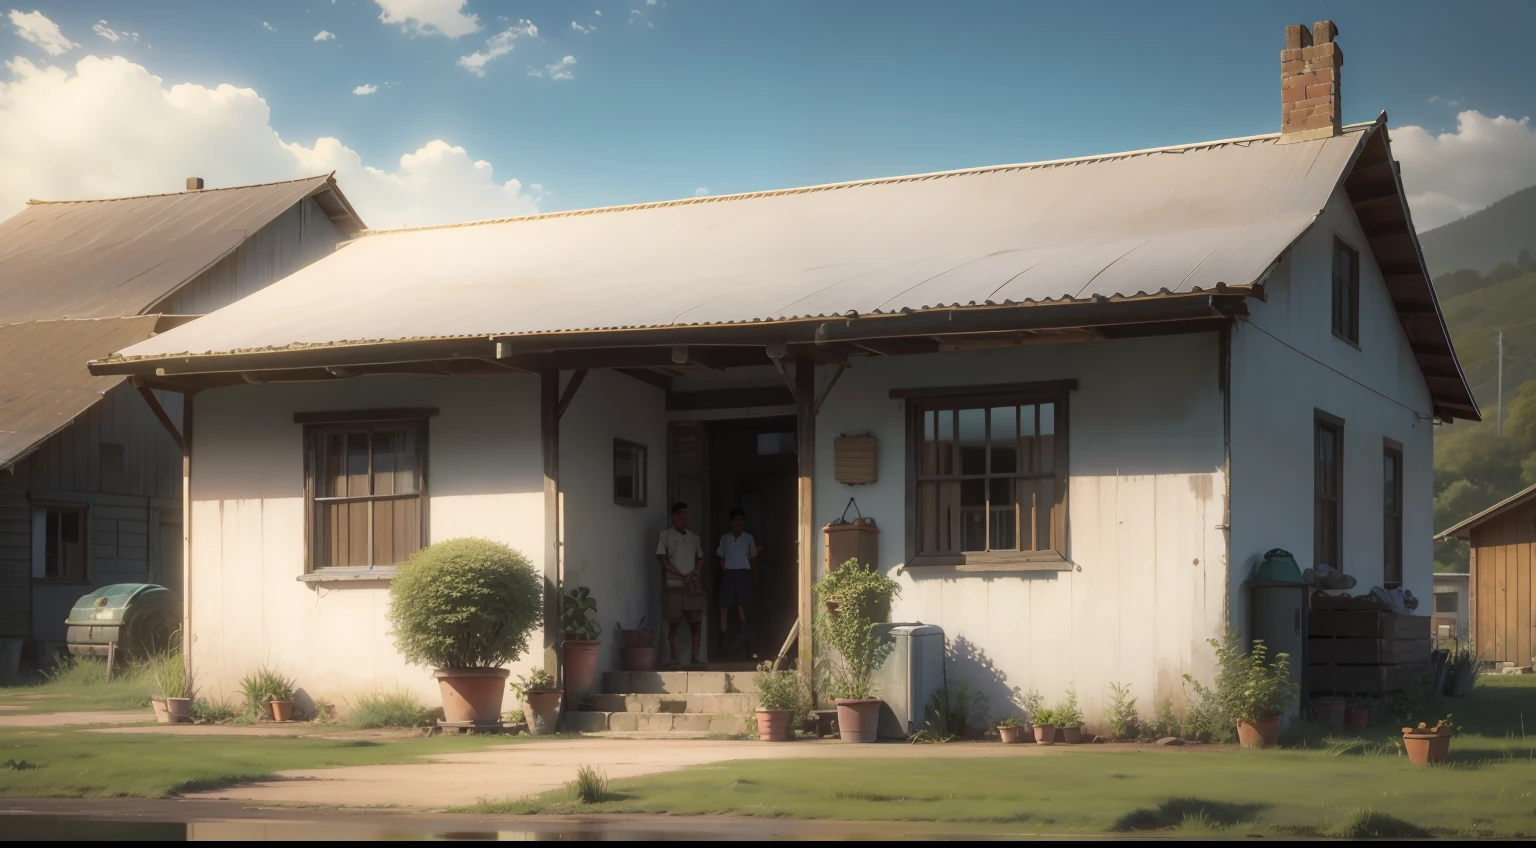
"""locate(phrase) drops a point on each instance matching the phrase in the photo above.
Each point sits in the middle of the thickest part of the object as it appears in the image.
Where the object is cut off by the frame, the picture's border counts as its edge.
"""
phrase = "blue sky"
(737, 96)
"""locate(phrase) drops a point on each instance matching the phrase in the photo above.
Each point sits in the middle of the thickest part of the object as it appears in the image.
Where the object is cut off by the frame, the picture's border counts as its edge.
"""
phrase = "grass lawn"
(1489, 787)
(83, 688)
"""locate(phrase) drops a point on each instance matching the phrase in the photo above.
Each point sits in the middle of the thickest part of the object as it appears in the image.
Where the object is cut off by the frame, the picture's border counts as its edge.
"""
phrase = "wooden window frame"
(40, 562)
(644, 484)
(1392, 524)
(317, 424)
(1350, 331)
(1320, 421)
(920, 400)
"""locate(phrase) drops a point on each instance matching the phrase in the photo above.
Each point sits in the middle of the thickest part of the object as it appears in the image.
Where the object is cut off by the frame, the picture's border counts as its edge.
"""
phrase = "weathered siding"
(15, 555)
(1144, 508)
(292, 240)
(1503, 591)
(1376, 388)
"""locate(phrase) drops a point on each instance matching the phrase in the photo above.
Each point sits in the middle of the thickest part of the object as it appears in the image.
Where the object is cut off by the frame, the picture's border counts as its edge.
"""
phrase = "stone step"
(734, 703)
(679, 682)
(596, 721)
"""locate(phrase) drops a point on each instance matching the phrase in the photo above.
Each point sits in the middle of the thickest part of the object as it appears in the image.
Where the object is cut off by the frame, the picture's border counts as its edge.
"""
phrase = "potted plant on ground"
(541, 701)
(781, 696)
(1044, 720)
(578, 624)
(175, 689)
(1462, 670)
(860, 650)
(466, 607)
(268, 695)
(1428, 744)
(639, 647)
(1330, 710)
(1249, 690)
(1124, 723)
(1069, 718)
(1010, 730)
(1033, 706)
(1357, 714)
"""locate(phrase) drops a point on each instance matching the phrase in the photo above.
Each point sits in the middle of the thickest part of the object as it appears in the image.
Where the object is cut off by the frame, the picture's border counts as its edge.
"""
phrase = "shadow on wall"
(990, 695)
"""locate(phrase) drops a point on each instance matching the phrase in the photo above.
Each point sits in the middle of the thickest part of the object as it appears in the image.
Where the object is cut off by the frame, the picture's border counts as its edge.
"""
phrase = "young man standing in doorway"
(682, 560)
(738, 556)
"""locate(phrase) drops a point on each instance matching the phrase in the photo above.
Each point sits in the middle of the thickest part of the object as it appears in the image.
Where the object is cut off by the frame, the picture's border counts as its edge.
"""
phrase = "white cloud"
(38, 29)
(1452, 102)
(109, 128)
(365, 89)
(269, 27)
(560, 70)
(323, 35)
(1456, 173)
(429, 17)
(598, 12)
(701, 192)
(650, 2)
(584, 30)
(111, 34)
(499, 44)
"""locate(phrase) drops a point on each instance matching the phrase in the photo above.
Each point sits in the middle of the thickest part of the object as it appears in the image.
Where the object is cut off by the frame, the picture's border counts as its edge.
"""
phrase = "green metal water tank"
(139, 617)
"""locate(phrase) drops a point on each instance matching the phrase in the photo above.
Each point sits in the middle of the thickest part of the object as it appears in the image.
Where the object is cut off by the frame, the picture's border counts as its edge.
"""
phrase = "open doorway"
(749, 463)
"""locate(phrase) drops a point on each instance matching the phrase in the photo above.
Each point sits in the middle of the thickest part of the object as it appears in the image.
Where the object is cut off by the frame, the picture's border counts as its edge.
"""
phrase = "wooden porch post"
(186, 532)
(549, 436)
(805, 439)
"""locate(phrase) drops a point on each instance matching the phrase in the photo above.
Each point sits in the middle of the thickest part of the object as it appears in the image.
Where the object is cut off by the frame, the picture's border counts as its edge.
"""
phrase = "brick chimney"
(194, 183)
(1310, 66)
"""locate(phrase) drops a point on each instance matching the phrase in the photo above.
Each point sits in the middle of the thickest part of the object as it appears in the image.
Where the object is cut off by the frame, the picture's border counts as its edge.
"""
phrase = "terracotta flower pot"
(161, 714)
(858, 719)
(471, 695)
(580, 668)
(637, 638)
(542, 711)
(1427, 748)
(640, 658)
(180, 709)
(1259, 733)
(1011, 735)
(1356, 718)
(1330, 711)
(773, 725)
(282, 710)
(1045, 734)
(1073, 735)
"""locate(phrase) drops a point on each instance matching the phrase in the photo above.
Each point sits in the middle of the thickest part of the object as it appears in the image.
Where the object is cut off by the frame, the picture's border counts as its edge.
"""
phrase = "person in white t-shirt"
(738, 556)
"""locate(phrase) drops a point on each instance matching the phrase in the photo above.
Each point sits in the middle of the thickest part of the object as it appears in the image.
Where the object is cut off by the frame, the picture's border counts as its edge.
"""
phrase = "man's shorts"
(736, 588)
(677, 602)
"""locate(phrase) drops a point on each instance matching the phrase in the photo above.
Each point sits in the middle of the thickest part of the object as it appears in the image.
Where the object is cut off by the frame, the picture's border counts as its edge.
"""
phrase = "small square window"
(1445, 602)
(629, 473)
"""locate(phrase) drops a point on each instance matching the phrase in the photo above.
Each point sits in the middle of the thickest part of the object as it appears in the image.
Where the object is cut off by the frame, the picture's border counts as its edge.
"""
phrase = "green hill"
(1485, 238)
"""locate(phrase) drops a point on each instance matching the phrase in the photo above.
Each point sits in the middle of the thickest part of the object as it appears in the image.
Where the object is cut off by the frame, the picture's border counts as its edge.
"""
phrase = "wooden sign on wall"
(854, 459)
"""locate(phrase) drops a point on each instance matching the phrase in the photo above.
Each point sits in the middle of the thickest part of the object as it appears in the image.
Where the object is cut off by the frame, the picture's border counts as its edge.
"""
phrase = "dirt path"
(67, 719)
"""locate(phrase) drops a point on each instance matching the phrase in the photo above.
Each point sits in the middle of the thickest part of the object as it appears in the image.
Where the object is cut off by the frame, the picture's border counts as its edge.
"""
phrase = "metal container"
(139, 617)
(911, 675)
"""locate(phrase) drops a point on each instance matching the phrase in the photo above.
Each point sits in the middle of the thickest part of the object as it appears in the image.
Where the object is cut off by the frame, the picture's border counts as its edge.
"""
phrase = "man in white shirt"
(738, 555)
(681, 555)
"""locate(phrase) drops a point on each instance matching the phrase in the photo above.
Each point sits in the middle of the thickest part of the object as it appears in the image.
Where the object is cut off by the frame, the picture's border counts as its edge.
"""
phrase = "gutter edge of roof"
(1494, 511)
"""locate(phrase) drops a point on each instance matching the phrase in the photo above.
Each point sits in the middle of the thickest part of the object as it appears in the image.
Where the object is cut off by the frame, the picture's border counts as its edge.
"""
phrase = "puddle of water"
(51, 828)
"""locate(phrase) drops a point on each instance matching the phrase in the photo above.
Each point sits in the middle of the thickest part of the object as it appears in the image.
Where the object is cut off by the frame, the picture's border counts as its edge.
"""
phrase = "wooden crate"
(1364, 679)
(1331, 651)
(1367, 624)
(854, 460)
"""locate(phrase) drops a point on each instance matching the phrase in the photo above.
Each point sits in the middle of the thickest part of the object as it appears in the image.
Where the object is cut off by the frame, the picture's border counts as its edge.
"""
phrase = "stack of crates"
(1365, 651)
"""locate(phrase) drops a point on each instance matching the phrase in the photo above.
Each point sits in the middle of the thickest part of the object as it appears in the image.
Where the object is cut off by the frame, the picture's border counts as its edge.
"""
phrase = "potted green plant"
(268, 695)
(1249, 690)
(466, 607)
(1010, 729)
(1357, 714)
(1069, 717)
(1044, 721)
(1462, 670)
(1330, 710)
(174, 687)
(541, 701)
(1429, 744)
(639, 647)
(781, 696)
(578, 624)
(860, 650)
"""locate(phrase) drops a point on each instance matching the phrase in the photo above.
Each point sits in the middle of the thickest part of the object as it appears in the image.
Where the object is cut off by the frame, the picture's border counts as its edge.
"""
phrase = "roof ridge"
(982, 169)
(35, 202)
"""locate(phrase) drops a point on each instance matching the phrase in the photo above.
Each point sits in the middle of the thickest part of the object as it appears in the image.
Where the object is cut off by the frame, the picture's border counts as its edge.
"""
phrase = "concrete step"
(693, 702)
(596, 721)
(679, 682)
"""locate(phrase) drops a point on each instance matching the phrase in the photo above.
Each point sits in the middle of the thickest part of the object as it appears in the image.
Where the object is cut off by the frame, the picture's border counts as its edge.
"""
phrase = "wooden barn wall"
(1503, 593)
(291, 241)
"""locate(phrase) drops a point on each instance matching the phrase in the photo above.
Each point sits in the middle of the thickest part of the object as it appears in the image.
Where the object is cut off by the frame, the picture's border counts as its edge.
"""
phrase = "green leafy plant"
(263, 686)
(1031, 702)
(1045, 717)
(578, 615)
(854, 590)
(1067, 712)
(537, 680)
(859, 588)
(783, 690)
(400, 708)
(1248, 686)
(1123, 720)
(465, 603)
(589, 787)
(1010, 721)
(1164, 723)
(205, 711)
(170, 676)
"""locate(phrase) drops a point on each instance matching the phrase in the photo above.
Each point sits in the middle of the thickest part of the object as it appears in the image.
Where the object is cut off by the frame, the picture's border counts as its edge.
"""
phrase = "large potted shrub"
(579, 627)
(850, 592)
(782, 696)
(1249, 690)
(466, 607)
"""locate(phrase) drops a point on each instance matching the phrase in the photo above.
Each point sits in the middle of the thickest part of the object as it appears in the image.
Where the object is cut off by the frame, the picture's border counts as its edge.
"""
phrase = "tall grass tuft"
(589, 787)
(400, 708)
(1366, 823)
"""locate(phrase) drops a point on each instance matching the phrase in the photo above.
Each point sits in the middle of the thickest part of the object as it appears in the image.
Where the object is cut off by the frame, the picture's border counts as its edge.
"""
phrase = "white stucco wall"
(485, 479)
(1376, 388)
(1145, 502)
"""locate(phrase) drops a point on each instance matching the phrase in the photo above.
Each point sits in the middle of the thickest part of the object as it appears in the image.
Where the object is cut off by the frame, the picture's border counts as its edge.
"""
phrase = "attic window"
(1346, 292)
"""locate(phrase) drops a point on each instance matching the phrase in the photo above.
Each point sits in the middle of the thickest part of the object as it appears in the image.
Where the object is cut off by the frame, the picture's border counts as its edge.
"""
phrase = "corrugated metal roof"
(45, 384)
(1170, 220)
(119, 256)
